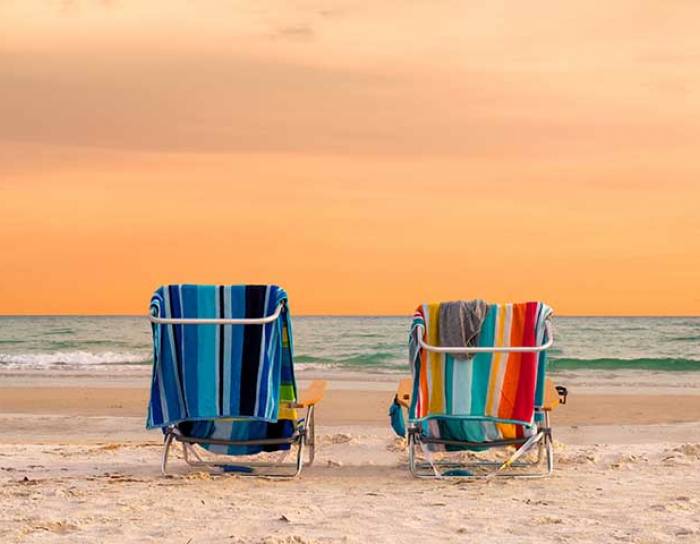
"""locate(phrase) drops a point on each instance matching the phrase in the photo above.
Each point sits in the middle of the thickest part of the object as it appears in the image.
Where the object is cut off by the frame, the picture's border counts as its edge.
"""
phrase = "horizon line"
(364, 315)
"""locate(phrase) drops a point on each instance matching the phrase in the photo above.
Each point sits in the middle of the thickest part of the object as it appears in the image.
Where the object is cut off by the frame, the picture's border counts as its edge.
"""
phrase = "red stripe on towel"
(525, 396)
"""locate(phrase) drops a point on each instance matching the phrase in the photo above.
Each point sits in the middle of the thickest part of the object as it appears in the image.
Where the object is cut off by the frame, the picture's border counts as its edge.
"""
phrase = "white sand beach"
(77, 465)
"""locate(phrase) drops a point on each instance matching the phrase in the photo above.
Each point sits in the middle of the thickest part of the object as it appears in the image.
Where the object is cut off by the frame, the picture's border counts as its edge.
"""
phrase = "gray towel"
(460, 324)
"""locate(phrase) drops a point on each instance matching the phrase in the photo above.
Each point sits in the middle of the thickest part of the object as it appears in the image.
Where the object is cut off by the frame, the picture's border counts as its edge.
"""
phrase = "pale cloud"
(295, 32)
(457, 78)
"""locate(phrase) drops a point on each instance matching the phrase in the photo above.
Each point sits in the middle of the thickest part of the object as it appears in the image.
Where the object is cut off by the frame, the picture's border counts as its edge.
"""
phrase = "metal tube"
(166, 449)
(215, 321)
(504, 349)
(311, 433)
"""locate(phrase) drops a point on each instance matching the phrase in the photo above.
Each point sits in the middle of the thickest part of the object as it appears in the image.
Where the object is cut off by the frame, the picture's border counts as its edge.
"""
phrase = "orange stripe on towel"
(510, 381)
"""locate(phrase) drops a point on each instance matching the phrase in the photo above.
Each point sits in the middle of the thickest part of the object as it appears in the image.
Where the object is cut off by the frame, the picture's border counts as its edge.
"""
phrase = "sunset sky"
(367, 157)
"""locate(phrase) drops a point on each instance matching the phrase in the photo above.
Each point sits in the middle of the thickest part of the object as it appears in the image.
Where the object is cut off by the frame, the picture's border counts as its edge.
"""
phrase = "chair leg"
(300, 457)
(548, 445)
(310, 436)
(194, 459)
(412, 454)
(522, 450)
(542, 440)
(167, 442)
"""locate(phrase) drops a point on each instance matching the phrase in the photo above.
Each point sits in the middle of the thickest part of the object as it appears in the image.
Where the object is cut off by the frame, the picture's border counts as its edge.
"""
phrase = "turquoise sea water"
(595, 344)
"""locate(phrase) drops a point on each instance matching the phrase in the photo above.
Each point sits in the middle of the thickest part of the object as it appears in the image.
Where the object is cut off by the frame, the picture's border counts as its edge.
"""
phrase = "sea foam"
(70, 358)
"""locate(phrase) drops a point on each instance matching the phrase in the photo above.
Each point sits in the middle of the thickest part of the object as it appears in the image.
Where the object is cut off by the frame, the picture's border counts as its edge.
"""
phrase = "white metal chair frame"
(542, 438)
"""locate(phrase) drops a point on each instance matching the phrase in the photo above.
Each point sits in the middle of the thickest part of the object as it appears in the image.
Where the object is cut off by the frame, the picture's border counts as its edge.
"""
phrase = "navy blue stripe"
(155, 404)
(222, 311)
(252, 336)
(176, 312)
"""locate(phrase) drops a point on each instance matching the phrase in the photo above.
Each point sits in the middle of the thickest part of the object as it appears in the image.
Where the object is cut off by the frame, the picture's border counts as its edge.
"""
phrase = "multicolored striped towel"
(491, 396)
(204, 372)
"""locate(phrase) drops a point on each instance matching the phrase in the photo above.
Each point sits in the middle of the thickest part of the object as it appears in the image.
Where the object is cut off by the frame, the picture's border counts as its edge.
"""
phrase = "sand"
(76, 465)
(351, 407)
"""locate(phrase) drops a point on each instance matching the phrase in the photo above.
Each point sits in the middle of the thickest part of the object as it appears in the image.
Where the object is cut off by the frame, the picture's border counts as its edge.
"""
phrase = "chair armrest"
(313, 394)
(553, 395)
(403, 392)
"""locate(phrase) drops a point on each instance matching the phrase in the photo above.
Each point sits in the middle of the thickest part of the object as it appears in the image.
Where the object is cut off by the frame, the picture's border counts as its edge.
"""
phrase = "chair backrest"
(212, 369)
(501, 386)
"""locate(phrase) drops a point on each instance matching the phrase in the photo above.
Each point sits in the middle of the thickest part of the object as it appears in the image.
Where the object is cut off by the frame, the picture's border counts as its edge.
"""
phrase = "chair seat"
(236, 430)
(471, 433)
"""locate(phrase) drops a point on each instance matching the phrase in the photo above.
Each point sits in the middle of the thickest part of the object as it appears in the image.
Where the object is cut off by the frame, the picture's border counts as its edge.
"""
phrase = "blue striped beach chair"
(498, 398)
(223, 378)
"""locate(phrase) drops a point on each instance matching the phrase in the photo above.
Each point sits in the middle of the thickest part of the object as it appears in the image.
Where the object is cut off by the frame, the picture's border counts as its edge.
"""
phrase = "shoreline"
(347, 402)
(586, 381)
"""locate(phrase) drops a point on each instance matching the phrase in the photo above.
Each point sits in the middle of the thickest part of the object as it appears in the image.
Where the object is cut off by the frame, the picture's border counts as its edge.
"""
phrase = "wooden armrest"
(403, 392)
(313, 394)
(551, 395)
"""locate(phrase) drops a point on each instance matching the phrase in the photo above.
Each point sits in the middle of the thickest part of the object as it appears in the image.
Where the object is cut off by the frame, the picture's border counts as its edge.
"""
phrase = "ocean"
(599, 350)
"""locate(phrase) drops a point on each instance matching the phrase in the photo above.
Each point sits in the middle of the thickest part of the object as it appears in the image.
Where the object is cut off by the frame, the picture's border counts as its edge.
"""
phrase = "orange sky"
(365, 157)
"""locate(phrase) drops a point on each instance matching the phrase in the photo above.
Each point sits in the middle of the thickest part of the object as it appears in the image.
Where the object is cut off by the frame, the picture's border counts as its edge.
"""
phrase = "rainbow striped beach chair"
(223, 378)
(498, 398)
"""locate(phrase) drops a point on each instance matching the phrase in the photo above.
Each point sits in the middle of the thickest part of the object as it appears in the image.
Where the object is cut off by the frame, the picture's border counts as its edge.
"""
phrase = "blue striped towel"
(204, 372)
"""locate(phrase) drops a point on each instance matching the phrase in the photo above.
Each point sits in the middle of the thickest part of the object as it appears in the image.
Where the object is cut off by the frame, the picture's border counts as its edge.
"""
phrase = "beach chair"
(498, 398)
(223, 379)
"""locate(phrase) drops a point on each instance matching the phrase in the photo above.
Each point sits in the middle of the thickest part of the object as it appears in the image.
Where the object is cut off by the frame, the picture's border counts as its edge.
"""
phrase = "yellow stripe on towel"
(495, 361)
(436, 404)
